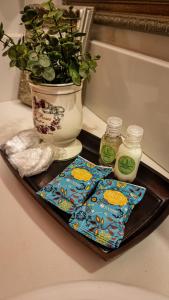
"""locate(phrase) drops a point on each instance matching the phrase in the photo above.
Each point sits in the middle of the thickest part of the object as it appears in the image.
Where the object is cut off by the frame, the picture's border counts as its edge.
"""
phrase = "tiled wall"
(135, 87)
(146, 43)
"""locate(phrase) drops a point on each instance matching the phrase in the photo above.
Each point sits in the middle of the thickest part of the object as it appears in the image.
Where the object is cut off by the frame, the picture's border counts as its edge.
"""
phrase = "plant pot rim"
(52, 85)
(52, 89)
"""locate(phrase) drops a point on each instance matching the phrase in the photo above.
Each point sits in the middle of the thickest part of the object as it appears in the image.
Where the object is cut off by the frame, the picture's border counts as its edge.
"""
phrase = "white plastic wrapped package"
(22, 141)
(32, 161)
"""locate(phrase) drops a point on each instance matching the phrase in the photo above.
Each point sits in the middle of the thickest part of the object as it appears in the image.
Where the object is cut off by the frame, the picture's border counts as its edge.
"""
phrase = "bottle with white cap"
(129, 154)
(111, 141)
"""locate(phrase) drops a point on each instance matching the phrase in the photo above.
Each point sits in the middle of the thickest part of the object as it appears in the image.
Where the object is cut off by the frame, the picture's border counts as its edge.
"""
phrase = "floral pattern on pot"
(47, 117)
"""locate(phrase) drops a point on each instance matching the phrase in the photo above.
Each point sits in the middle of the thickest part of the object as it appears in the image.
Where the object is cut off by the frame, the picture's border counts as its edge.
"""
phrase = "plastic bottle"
(129, 155)
(110, 141)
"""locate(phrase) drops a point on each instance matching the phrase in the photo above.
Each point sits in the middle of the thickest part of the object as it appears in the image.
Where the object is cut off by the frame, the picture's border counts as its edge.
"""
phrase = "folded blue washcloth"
(50, 194)
(72, 187)
(103, 216)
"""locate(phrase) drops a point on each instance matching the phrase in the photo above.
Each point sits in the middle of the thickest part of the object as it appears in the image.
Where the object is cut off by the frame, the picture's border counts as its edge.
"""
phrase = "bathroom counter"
(36, 251)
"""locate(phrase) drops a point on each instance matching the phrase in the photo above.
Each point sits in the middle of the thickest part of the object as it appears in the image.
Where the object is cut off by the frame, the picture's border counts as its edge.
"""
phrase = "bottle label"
(108, 154)
(126, 165)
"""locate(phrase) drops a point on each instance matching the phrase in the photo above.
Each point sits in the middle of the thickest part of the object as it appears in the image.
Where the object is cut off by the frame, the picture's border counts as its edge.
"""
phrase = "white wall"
(132, 81)
(9, 77)
(9, 15)
(135, 87)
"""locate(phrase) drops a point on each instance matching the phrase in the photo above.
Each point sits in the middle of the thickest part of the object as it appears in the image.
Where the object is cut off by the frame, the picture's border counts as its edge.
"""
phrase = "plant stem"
(11, 40)
(3, 42)
(58, 29)
(60, 34)
(60, 37)
(71, 26)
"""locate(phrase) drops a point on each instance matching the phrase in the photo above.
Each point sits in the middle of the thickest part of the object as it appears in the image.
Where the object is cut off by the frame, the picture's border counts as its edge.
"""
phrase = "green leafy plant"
(52, 49)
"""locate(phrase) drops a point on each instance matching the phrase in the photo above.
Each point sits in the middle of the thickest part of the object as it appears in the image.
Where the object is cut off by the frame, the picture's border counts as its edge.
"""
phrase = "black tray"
(146, 216)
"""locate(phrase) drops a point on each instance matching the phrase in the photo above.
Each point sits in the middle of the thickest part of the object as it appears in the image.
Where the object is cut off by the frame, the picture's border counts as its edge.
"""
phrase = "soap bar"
(78, 180)
(96, 222)
(104, 215)
(74, 184)
(119, 197)
(50, 195)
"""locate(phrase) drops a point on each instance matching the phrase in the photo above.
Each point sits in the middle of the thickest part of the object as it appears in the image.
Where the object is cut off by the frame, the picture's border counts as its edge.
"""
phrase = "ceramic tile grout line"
(110, 141)
(129, 154)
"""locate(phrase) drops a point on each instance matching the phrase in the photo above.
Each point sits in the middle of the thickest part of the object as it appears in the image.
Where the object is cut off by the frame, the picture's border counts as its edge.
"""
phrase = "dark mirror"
(146, 16)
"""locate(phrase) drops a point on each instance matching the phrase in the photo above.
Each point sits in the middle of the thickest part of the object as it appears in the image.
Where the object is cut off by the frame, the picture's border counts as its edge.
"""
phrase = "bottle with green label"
(111, 141)
(129, 155)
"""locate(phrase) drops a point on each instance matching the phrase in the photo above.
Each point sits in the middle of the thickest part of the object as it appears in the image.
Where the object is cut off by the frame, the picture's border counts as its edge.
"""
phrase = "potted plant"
(52, 54)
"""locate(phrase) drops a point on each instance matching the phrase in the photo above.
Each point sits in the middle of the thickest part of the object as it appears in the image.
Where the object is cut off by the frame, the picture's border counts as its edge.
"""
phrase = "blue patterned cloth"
(102, 218)
(71, 188)
(50, 194)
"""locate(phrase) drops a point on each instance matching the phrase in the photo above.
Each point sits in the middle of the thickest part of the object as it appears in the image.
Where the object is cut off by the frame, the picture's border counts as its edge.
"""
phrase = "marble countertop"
(37, 252)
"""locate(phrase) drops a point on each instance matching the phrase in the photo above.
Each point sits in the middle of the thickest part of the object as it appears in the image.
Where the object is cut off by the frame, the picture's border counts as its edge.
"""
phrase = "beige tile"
(154, 45)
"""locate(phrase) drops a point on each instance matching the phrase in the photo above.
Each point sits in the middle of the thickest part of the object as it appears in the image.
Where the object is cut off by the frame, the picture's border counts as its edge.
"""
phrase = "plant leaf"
(33, 56)
(38, 48)
(5, 53)
(37, 70)
(54, 55)
(21, 63)
(78, 34)
(27, 7)
(92, 64)
(21, 50)
(1, 31)
(30, 64)
(12, 63)
(12, 53)
(48, 5)
(58, 15)
(44, 60)
(73, 72)
(6, 43)
(84, 69)
(49, 74)
(29, 15)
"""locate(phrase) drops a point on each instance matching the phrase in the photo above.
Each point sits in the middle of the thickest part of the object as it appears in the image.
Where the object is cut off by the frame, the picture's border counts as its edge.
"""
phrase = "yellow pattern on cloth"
(121, 184)
(65, 205)
(75, 226)
(115, 197)
(102, 237)
(81, 174)
(91, 165)
(42, 194)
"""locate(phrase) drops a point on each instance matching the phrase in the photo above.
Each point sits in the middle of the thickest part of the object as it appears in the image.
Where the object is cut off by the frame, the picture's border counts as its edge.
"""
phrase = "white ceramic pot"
(57, 114)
